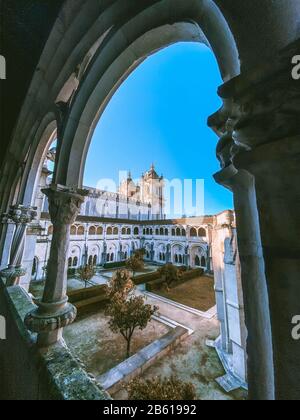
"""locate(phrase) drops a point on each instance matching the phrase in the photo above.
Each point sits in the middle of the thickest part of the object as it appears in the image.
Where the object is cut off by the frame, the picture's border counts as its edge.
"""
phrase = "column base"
(48, 320)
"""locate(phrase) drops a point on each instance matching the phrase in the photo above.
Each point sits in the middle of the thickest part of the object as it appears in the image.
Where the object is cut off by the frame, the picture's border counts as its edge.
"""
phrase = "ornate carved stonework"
(50, 317)
(259, 107)
(21, 216)
(53, 311)
(64, 204)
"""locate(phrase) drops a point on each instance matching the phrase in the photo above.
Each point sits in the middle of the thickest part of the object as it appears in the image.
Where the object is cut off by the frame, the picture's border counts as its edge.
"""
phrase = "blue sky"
(159, 115)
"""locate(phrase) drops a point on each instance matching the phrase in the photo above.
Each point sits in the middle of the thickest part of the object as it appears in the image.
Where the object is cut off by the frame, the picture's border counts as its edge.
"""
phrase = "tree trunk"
(128, 347)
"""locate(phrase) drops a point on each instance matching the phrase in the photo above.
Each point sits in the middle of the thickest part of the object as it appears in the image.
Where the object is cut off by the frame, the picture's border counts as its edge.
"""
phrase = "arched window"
(178, 232)
(167, 232)
(116, 231)
(136, 231)
(173, 232)
(92, 230)
(202, 233)
(156, 232)
(161, 232)
(90, 260)
(80, 231)
(151, 232)
(50, 230)
(176, 258)
(70, 262)
(75, 262)
(180, 259)
(95, 260)
(183, 232)
(203, 262)
(125, 256)
(100, 231)
(128, 231)
(112, 257)
(123, 231)
(197, 261)
(193, 233)
(109, 231)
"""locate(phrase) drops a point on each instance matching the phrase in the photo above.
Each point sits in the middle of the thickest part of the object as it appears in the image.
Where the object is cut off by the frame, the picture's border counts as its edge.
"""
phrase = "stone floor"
(91, 340)
(192, 361)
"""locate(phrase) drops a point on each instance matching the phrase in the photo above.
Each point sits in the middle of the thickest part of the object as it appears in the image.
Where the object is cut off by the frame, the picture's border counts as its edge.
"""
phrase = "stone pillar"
(21, 216)
(259, 152)
(276, 168)
(53, 311)
(33, 231)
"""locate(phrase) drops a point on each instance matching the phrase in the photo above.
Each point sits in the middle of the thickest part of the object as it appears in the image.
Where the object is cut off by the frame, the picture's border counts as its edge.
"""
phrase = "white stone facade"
(99, 241)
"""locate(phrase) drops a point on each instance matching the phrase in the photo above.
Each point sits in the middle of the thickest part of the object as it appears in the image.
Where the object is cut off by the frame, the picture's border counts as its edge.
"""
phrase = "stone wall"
(26, 373)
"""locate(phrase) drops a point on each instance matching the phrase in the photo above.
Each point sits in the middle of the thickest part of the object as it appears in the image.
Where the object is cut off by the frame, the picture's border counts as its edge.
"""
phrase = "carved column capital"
(19, 214)
(64, 203)
(261, 106)
(53, 312)
(265, 102)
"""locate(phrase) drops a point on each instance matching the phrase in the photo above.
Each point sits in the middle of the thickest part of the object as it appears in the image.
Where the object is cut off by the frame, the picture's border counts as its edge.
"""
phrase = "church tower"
(152, 192)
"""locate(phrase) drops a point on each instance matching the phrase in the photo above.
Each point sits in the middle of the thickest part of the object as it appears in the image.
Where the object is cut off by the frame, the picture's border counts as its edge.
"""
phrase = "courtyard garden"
(197, 293)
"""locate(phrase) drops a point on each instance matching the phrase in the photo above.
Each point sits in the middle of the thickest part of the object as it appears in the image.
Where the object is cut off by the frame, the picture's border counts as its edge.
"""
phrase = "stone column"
(21, 216)
(261, 166)
(276, 168)
(33, 231)
(53, 311)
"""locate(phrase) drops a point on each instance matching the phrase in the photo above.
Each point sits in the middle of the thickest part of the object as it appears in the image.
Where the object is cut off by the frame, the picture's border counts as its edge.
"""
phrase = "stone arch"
(92, 230)
(99, 230)
(193, 232)
(145, 34)
(202, 233)
(81, 230)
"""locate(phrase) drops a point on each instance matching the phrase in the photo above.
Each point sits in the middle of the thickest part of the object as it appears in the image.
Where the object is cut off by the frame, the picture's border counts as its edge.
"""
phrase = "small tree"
(126, 311)
(170, 274)
(86, 273)
(120, 286)
(154, 389)
(134, 264)
(140, 253)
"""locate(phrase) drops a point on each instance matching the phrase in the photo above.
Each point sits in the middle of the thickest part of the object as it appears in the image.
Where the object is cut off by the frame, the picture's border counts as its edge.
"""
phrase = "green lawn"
(197, 293)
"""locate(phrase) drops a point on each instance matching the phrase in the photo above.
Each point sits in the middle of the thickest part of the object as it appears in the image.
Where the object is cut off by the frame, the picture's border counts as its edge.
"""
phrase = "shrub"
(169, 389)
(86, 273)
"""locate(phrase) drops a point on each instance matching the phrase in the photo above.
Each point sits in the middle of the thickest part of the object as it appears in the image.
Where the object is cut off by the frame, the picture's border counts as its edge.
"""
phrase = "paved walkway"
(192, 361)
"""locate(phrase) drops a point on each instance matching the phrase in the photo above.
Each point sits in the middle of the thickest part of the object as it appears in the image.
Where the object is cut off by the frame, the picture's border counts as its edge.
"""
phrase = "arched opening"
(100, 231)
(92, 231)
(202, 233)
(193, 233)
(80, 231)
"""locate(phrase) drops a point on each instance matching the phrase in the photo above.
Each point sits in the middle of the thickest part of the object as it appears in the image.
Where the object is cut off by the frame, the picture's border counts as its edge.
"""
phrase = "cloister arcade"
(90, 48)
